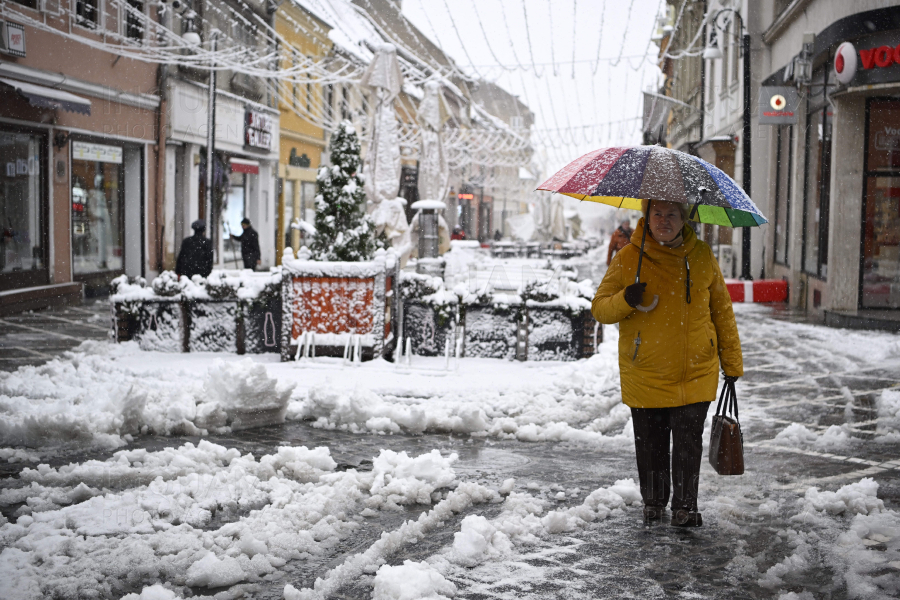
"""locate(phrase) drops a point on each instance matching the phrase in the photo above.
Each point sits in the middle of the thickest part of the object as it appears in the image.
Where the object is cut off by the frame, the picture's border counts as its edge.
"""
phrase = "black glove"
(634, 294)
(730, 379)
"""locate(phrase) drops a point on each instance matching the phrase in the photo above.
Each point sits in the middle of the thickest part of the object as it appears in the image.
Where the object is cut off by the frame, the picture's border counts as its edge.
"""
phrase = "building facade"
(80, 199)
(825, 137)
(832, 172)
(302, 143)
(246, 146)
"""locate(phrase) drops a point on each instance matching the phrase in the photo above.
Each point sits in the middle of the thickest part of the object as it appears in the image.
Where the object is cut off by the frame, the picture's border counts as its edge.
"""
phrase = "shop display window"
(881, 237)
(289, 214)
(817, 194)
(22, 221)
(783, 168)
(235, 205)
(98, 209)
(307, 208)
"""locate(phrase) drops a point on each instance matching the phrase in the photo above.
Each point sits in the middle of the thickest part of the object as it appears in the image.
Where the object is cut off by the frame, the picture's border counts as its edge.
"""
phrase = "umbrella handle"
(651, 307)
(637, 276)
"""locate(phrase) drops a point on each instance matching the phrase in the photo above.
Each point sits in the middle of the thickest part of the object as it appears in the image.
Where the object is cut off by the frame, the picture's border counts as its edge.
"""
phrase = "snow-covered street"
(496, 479)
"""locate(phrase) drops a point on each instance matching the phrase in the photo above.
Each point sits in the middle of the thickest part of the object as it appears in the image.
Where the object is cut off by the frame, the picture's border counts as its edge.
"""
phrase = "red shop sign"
(882, 56)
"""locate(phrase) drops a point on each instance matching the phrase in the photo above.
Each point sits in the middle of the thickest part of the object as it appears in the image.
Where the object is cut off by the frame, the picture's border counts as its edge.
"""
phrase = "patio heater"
(429, 236)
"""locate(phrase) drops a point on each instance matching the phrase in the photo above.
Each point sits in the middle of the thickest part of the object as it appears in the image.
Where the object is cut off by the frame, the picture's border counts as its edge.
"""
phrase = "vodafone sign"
(778, 105)
(845, 63)
(848, 62)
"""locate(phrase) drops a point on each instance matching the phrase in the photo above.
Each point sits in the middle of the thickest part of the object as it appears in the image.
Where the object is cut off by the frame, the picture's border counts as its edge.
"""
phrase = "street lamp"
(211, 133)
(714, 53)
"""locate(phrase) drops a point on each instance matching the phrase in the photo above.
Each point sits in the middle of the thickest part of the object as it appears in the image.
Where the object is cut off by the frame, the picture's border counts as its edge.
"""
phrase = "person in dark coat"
(249, 245)
(196, 254)
(619, 239)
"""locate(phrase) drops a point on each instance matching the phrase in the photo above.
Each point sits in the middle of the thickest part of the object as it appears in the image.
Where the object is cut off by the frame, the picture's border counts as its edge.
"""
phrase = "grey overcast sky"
(546, 52)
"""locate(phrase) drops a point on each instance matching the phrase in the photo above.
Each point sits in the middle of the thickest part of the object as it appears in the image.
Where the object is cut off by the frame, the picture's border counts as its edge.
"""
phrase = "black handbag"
(726, 444)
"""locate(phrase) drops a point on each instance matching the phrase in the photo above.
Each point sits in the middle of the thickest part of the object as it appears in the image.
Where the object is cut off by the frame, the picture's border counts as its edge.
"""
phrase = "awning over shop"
(240, 165)
(44, 97)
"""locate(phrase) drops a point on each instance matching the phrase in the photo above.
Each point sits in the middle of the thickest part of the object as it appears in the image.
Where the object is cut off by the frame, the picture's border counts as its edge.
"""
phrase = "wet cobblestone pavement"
(34, 337)
(619, 557)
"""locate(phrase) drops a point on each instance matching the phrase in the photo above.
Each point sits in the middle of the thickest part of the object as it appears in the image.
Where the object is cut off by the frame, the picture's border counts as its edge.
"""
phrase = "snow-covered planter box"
(558, 332)
(431, 314)
(160, 326)
(560, 324)
(231, 311)
(491, 329)
(211, 325)
(259, 327)
(428, 328)
(339, 304)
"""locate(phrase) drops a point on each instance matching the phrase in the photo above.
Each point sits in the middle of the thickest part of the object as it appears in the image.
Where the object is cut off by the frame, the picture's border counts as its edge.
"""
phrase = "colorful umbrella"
(623, 176)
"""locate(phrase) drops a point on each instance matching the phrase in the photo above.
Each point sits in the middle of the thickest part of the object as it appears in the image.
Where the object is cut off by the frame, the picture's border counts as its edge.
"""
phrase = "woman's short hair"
(684, 208)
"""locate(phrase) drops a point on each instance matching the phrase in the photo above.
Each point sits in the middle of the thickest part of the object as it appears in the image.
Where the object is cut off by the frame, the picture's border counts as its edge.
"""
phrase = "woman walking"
(669, 356)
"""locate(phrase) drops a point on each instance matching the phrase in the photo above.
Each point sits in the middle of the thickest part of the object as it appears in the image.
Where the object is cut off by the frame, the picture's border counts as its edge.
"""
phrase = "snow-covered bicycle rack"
(452, 350)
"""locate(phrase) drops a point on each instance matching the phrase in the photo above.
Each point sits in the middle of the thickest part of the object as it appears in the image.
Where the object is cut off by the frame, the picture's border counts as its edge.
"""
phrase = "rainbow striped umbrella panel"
(623, 176)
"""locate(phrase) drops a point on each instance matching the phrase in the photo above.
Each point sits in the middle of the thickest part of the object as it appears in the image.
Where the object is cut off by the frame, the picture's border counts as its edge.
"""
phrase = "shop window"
(295, 60)
(728, 48)
(817, 193)
(98, 208)
(783, 169)
(87, 13)
(345, 102)
(328, 103)
(881, 238)
(735, 55)
(235, 208)
(22, 224)
(307, 208)
(134, 22)
(288, 215)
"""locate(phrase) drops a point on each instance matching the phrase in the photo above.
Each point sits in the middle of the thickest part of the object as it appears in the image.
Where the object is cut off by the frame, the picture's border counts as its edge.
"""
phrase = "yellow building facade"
(302, 143)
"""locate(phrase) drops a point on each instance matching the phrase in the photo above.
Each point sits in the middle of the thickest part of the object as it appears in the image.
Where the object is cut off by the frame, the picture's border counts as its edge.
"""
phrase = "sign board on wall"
(258, 130)
(778, 105)
(96, 152)
(12, 38)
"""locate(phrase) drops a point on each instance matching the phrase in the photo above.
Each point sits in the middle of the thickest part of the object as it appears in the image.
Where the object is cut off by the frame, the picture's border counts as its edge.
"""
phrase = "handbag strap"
(729, 398)
(721, 398)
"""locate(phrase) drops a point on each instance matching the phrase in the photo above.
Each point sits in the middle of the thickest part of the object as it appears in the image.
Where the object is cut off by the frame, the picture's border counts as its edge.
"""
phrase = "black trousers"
(652, 429)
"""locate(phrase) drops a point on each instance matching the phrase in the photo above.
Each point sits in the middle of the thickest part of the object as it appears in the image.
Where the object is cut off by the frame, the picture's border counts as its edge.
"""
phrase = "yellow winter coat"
(670, 356)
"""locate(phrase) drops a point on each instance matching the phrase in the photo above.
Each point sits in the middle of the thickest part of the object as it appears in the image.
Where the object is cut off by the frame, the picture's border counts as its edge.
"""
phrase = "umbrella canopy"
(434, 173)
(382, 166)
(623, 176)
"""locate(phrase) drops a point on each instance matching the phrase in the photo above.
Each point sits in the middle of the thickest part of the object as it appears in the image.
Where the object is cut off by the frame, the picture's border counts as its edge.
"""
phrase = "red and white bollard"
(763, 290)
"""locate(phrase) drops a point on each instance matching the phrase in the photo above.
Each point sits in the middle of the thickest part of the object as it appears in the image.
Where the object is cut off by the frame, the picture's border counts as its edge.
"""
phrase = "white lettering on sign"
(258, 130)
(96, 152)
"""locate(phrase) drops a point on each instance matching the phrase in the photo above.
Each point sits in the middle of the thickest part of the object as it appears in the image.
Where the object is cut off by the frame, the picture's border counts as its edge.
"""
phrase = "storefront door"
(881, 228)
(98, 212)
(23, 211)
(235, 210)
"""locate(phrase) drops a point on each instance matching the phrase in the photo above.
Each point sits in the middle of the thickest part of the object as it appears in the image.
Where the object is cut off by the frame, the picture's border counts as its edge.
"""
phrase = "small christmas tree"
(343, 230)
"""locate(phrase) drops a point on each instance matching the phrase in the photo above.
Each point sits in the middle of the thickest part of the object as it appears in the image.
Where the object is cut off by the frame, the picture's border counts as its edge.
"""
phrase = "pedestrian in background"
(196, 254)
(620, 238)
(249, 245)
(669, 355)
